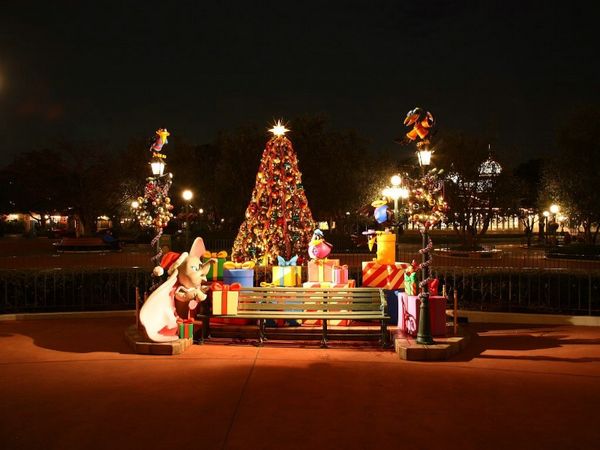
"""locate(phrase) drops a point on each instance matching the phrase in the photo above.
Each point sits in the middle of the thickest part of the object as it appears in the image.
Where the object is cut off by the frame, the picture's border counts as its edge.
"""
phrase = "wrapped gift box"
(410, 283)
(396, 275)
(387, 276)
(391, 297)
(433, 286)
(386, 248)
(408, 316)
(340, 274)
(245, 277)
(288, 276)
(327, 284)
(321, 269)
(215, 273)
(186, 329)
(225, 298)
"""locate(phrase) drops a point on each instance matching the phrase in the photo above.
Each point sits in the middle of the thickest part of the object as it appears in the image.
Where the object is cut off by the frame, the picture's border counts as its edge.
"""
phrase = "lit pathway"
(71, 384)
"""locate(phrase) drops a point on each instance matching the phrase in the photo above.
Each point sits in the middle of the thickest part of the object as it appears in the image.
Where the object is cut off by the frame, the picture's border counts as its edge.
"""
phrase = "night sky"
(115, 70)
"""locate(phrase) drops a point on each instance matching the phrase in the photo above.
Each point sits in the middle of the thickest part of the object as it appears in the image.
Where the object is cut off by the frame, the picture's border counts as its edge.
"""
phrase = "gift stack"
(325, 273)
(410, 306)
(384, 271)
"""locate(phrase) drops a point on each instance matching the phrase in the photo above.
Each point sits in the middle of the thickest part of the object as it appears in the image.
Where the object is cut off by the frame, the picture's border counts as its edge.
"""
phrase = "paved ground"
(72, 384)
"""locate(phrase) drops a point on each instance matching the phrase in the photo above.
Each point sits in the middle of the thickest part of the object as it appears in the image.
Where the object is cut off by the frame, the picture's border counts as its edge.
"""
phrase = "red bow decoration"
(218, 286)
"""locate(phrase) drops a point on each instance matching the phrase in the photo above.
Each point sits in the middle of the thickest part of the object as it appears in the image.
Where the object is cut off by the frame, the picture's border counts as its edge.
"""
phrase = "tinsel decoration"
(155, 206)
(278, 221)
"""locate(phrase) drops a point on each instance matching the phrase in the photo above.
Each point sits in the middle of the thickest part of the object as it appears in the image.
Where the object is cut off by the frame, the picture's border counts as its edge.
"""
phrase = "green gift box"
(215, 273)
(186, 329)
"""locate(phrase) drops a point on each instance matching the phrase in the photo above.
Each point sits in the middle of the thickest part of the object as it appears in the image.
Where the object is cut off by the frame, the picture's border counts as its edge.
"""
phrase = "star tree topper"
(279, 129)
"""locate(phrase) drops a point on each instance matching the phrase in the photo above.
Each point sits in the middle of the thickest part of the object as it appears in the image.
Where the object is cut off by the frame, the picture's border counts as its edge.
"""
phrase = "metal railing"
(53, 290)
(509, 290)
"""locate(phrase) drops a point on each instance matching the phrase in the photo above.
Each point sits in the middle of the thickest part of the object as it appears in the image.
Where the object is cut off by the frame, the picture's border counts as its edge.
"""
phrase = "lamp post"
(424, 329)
(187, 196)
(554, 210)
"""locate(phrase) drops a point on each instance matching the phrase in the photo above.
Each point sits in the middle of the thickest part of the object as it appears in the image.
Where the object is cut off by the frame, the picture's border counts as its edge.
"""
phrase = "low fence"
(506, 290)
(524, 290)
(54, 290)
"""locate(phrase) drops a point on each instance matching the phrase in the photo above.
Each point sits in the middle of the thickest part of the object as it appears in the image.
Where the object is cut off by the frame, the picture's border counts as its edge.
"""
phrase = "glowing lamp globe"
(424, 157)
(158, 167)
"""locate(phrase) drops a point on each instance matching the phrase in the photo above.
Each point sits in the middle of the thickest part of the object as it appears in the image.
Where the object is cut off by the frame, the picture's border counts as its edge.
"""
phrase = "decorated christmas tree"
(278, 219)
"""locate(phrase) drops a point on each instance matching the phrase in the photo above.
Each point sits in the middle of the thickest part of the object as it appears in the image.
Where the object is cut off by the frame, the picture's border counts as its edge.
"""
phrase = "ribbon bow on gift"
(265, 284)
(343, 267)
(221, 254)
(282, 262)
(218, 286)
(233, 265)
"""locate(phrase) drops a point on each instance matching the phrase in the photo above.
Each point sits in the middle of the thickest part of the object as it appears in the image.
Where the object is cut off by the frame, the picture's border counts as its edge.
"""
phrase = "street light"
(424, 155)
(424, 330)
(158, 167)
(187, 196)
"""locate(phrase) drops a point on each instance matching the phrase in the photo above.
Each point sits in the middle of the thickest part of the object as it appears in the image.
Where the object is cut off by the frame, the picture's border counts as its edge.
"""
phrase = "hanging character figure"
(161, 139)
(421, 121)
(178, 297)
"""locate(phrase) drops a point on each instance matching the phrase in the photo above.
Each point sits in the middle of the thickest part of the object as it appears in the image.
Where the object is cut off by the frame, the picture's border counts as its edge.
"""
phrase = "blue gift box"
(243, 276)
(391, 297)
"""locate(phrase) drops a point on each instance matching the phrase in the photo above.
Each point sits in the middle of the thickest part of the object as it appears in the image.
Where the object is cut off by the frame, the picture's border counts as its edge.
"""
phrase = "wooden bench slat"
(348, 308)
(306, 315)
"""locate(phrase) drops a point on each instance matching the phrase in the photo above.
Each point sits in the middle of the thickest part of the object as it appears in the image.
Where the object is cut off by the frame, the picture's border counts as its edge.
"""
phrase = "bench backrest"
(283, 299)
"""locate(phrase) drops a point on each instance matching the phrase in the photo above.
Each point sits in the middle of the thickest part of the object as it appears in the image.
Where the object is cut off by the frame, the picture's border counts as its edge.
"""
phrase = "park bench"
(82, 244)
(289, 303)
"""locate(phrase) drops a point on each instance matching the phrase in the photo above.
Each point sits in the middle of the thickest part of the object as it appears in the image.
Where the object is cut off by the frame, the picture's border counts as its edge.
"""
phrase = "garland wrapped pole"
(426, 206)
(155, 206)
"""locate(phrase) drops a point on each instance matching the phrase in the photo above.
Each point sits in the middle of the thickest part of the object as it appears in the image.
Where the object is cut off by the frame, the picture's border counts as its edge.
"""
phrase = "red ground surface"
(72, 384)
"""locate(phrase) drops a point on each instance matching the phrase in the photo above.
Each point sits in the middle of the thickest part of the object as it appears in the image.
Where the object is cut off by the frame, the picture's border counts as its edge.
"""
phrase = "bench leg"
(324, 338)
(261, 332)
(206, 327)
(384, 334)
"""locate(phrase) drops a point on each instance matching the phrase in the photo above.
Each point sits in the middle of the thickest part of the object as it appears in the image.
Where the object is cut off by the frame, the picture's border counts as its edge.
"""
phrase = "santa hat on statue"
(172, 260)
(169, 262)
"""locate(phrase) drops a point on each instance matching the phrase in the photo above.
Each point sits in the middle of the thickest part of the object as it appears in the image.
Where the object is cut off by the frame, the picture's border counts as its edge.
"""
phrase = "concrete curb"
(67, 315)
(526, 318)
(443, 348)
